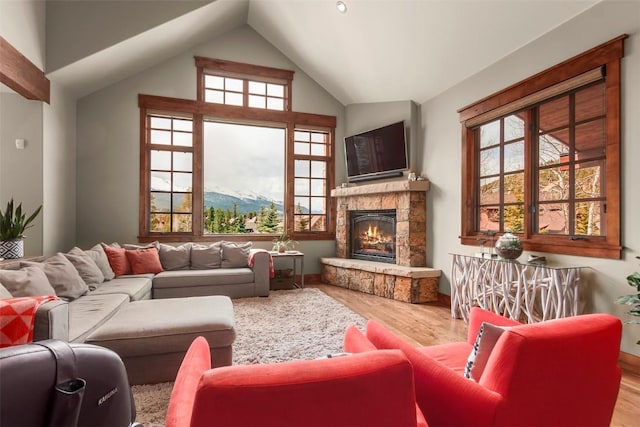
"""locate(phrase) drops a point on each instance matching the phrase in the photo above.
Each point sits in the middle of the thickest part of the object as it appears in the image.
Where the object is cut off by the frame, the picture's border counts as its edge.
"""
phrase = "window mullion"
(197, 177)
(530, 170)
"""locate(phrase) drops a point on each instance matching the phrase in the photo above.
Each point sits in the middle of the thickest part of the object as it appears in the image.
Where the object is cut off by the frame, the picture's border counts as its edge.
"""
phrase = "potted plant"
(633, 299)
(283, 243)
(13, 223)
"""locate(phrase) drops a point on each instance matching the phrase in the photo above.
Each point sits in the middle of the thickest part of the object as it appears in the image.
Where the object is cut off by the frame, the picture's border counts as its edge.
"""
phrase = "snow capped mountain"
(237, 194)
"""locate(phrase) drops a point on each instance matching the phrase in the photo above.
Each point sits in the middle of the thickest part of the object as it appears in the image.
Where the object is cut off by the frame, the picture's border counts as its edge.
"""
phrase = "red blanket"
(17, 319)
(250, 261)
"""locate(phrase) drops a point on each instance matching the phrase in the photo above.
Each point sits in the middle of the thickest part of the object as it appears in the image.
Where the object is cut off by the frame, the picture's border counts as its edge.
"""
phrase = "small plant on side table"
(283, 243)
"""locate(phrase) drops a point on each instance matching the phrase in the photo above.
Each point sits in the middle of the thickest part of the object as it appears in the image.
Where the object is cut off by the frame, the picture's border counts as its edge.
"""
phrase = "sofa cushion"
(206, 256)
(137, 287)
(4, 293)
(62, 275)
(211, 277)
(86, 267)
(91, 311)
(235, 255)
(100, 257)
(26, 282)
(175, 258)
(144, 261)
(117, 260)
(169, 325)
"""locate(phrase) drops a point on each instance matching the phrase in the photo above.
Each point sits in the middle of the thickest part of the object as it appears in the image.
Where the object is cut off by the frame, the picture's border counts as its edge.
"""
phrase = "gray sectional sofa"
(188, 270)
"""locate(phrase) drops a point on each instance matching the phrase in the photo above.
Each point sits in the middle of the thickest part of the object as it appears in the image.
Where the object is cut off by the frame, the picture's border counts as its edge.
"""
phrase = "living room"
(81, 159)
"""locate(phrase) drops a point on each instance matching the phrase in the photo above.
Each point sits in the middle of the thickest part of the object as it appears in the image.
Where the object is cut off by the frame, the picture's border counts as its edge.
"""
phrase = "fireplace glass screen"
(373, 235)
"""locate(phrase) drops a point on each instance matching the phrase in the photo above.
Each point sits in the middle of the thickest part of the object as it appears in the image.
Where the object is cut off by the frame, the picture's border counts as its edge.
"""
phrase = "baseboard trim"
(629, 362)
(309, 279)
(444, 300)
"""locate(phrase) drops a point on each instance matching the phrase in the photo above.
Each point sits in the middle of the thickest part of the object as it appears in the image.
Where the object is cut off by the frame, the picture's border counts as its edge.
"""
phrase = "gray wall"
(603, 280)
(21, 170)
(44, 172)
(108, 135)
(59, 172)
(77, 29)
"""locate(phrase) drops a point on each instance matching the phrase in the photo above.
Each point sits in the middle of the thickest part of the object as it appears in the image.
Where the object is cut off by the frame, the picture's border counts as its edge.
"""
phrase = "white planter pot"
(12, 249)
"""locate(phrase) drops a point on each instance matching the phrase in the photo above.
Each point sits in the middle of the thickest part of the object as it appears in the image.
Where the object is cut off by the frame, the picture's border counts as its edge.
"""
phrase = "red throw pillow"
(117, 260)
(144, 260)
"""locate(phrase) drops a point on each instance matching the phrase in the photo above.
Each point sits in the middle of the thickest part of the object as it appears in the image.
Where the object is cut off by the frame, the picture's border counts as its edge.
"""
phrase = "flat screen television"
(378, 153)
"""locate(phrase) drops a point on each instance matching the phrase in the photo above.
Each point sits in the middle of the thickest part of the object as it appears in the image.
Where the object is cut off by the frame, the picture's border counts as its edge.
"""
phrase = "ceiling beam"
(21, 75)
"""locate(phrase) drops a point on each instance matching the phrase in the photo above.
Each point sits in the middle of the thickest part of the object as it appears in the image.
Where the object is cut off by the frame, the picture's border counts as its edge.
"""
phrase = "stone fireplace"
(372, 235)
(392, 267)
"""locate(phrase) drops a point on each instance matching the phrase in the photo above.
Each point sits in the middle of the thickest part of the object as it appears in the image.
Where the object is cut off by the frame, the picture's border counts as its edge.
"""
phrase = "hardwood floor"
(428, 324)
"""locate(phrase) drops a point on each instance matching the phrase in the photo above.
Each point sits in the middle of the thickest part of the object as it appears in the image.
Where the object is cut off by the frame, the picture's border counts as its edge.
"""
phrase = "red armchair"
(556, 373)
(372, 389)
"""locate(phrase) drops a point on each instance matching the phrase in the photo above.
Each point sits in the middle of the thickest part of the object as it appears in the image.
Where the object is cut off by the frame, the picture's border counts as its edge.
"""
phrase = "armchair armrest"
(52, 321)
(479, 315)
(445, 397)
(260, 263)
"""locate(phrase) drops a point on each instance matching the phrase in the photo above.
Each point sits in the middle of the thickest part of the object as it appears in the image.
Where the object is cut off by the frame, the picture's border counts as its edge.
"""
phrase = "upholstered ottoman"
(152, 336)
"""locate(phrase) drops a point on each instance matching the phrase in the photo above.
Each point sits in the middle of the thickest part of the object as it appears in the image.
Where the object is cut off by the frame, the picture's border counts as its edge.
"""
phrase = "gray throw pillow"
(86, 266)
(204, 257)
(100, 257)
(235, 255)
(26, 282)
(63, 276)
(175, 258)
(155, 244)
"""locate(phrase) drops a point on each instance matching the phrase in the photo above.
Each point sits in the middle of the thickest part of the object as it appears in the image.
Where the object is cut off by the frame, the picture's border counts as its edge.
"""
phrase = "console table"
(527, 292)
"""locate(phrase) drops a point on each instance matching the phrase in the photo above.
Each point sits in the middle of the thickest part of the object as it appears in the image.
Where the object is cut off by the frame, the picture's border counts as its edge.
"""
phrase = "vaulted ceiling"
(378, 51)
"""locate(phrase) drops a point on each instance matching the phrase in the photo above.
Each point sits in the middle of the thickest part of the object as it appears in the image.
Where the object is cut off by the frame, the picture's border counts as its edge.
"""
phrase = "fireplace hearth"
(373, 235)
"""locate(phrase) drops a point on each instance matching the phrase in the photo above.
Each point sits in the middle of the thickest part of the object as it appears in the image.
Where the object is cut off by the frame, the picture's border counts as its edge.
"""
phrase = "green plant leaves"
(13, 222)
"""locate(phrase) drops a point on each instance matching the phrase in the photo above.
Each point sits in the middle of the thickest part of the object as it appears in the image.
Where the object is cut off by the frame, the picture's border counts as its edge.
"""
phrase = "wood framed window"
(171, 172)
(312, 163)
(542, 158)
(243, 85)
(234, 141)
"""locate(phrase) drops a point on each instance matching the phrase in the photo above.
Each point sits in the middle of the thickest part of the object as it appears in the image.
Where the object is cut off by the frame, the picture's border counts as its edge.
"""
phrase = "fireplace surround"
(405, 279)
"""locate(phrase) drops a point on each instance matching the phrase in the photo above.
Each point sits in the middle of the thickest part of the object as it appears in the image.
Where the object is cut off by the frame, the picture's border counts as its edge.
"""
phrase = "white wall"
(108, 135)
(602, 280)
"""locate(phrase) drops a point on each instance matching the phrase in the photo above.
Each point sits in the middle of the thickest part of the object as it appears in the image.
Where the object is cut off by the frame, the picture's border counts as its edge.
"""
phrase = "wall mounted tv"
(378, 153)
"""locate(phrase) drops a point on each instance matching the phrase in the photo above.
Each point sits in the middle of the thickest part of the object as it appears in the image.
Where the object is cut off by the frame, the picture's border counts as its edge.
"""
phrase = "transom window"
(236, 160)
(234, 91)
(541, 158)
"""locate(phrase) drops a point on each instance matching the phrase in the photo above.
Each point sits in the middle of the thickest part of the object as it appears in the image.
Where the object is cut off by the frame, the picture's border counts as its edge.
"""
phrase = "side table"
(293, 256)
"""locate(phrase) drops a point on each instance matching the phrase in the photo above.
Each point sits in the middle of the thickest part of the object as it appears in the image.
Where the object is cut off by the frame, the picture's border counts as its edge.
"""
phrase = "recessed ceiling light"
(341, 6)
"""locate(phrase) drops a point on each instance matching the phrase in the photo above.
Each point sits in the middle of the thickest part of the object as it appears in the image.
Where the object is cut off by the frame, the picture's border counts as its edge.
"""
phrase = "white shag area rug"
(288, 325)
